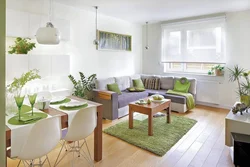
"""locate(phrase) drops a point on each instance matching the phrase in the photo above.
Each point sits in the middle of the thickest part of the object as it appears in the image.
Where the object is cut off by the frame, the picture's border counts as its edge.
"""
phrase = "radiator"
(208, 91)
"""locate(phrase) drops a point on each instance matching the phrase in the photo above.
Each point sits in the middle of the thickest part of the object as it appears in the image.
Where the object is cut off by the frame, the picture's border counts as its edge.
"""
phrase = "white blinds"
(194, 41)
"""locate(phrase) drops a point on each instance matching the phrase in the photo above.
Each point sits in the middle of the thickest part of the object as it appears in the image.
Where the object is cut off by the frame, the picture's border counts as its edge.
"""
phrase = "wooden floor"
(202, 146)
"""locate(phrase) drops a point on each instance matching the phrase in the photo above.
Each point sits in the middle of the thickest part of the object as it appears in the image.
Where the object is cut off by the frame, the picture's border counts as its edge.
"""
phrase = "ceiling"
(140, 11)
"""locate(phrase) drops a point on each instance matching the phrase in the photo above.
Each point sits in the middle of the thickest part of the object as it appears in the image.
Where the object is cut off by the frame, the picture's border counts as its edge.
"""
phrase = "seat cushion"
(174, 98)
(127, 97)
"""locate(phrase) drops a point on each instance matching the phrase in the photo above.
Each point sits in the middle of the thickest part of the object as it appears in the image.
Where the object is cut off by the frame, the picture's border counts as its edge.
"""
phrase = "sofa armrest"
(109, 100)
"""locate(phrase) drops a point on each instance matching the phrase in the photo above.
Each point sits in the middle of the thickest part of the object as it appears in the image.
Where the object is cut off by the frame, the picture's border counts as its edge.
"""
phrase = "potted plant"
(218, 70)
(21, 46)
(15, 89)
(242, 78)
(83, 87)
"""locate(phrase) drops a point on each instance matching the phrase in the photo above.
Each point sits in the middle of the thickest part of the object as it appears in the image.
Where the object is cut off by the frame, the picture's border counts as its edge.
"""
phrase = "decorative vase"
(245, 99)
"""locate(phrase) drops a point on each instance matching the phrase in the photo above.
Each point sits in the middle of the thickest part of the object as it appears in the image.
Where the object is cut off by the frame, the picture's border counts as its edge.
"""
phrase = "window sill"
(190, 73)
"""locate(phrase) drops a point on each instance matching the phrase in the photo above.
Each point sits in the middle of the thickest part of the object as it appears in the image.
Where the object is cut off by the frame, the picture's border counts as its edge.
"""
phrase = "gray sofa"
(116, 106)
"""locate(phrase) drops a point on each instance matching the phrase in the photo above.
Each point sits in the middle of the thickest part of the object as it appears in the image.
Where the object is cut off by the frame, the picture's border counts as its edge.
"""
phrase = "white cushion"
(123, 82)
(101, 84)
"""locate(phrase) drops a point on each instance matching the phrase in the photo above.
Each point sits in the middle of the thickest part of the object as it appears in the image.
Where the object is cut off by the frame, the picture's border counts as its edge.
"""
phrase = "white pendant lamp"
(147, 47)
(48, 35)
(96, 42)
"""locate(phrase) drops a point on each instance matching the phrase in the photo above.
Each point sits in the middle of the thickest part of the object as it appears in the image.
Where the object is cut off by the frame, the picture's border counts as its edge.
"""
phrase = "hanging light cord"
(146, 33)
(50, 10)
(96, 7)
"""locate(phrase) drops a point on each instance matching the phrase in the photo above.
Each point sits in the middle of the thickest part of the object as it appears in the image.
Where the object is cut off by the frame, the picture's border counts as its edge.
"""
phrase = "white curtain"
(200, 41)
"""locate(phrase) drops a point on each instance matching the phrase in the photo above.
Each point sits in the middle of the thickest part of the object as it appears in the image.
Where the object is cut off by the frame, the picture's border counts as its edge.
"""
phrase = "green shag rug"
(165, 135)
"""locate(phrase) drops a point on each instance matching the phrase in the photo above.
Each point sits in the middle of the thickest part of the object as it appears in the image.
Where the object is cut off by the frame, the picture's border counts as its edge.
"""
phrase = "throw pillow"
(152, 83)
(182, 85)
(138, 83)
(134, 89)
(114, 87)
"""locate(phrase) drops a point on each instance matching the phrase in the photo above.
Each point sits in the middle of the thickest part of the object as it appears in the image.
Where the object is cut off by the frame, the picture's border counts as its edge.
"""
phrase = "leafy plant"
(217, 67)
(18, 83)
(235, 74)
(21, 46)
(84, 86)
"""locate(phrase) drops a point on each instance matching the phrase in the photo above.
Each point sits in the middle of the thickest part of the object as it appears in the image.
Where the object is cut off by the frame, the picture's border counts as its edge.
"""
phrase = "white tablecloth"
(70, 113)
(19, 134)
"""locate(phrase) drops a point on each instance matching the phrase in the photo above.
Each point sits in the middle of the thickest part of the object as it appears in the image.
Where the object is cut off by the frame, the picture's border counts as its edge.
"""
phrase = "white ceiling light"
(96, 42)
(147, 47)
(48, 35)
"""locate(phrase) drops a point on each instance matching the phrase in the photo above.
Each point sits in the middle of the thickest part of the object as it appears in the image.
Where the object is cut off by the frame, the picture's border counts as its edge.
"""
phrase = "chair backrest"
(43, 137)
(82, 125)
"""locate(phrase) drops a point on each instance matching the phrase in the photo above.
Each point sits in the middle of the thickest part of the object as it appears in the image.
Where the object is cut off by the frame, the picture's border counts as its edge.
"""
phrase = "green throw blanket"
(189, 96)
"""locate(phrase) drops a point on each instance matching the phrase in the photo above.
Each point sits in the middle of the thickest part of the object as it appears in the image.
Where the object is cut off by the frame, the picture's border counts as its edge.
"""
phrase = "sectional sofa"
(116, 106)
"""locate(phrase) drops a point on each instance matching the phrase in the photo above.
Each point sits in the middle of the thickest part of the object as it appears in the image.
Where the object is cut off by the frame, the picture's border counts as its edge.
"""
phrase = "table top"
(53, 112)
(245, 118)
(152, 104)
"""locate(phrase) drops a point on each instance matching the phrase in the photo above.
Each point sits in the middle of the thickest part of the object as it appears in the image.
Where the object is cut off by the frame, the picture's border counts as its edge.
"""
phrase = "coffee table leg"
(150, 124)
(168, 115)
(131, 114)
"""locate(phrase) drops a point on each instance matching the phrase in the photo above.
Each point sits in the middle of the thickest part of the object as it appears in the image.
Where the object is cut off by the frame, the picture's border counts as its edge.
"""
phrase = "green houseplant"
(15, 88)
(218, 70)
(239, 75)
(21, 46)
(18, 83)
(83, 87)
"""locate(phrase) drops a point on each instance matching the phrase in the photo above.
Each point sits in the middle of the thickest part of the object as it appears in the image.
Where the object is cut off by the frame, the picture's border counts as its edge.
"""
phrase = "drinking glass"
(19, 102)
(32, 99)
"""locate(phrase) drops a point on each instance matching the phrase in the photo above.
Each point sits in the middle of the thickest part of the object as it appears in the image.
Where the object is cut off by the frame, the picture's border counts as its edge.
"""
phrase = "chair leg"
(56, 163)
(48, 161)
(19, 163)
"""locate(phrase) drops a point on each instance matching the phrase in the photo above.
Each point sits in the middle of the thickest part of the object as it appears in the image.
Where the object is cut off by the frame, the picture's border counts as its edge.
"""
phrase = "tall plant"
(237, 74)
(84, 86)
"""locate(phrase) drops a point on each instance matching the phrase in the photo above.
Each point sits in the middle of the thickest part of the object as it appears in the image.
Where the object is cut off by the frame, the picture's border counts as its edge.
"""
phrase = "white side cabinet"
(17, 23)
(236, 123)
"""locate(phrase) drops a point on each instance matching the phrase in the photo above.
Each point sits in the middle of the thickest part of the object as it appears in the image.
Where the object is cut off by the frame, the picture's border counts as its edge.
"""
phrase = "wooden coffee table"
(150, 110)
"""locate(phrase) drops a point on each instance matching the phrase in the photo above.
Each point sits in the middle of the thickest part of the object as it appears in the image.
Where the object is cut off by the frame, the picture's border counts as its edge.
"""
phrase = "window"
(193, 46)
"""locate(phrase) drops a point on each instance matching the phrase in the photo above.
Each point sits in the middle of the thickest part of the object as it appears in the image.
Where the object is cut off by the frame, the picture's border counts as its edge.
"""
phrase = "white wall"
(237, 41)
(83, 54)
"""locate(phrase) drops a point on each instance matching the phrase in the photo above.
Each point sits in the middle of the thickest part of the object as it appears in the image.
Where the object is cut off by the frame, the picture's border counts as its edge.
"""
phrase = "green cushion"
(114, 88)
(138, 83)
(182, 85)
(134, 89)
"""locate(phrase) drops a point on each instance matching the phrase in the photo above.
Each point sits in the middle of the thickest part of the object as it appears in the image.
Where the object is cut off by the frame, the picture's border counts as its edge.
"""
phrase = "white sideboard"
(24, 24)
(236, 123)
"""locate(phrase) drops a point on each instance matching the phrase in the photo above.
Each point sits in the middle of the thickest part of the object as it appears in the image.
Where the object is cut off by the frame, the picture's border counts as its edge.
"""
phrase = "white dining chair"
(43, 138)
(82, 125)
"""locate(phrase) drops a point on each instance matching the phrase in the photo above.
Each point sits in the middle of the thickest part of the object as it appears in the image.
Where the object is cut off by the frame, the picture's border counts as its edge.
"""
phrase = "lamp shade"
(48, 35)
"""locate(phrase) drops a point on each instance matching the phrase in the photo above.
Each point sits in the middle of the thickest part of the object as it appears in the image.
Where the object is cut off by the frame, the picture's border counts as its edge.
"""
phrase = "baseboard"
(214, 105)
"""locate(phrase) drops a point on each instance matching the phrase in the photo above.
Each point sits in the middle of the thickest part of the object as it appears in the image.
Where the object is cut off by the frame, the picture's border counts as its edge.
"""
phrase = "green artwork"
(113, 41)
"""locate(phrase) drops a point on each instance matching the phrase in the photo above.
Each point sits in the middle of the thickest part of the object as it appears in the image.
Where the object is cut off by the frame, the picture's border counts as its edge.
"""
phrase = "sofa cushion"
(182, 85)
(114, 87)
(101, 84)
(123, 82)
(152, 83)
(167, 82)
(127, 97)
(138, 83)
(192, 81)
(132, 77)
(174, 98)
